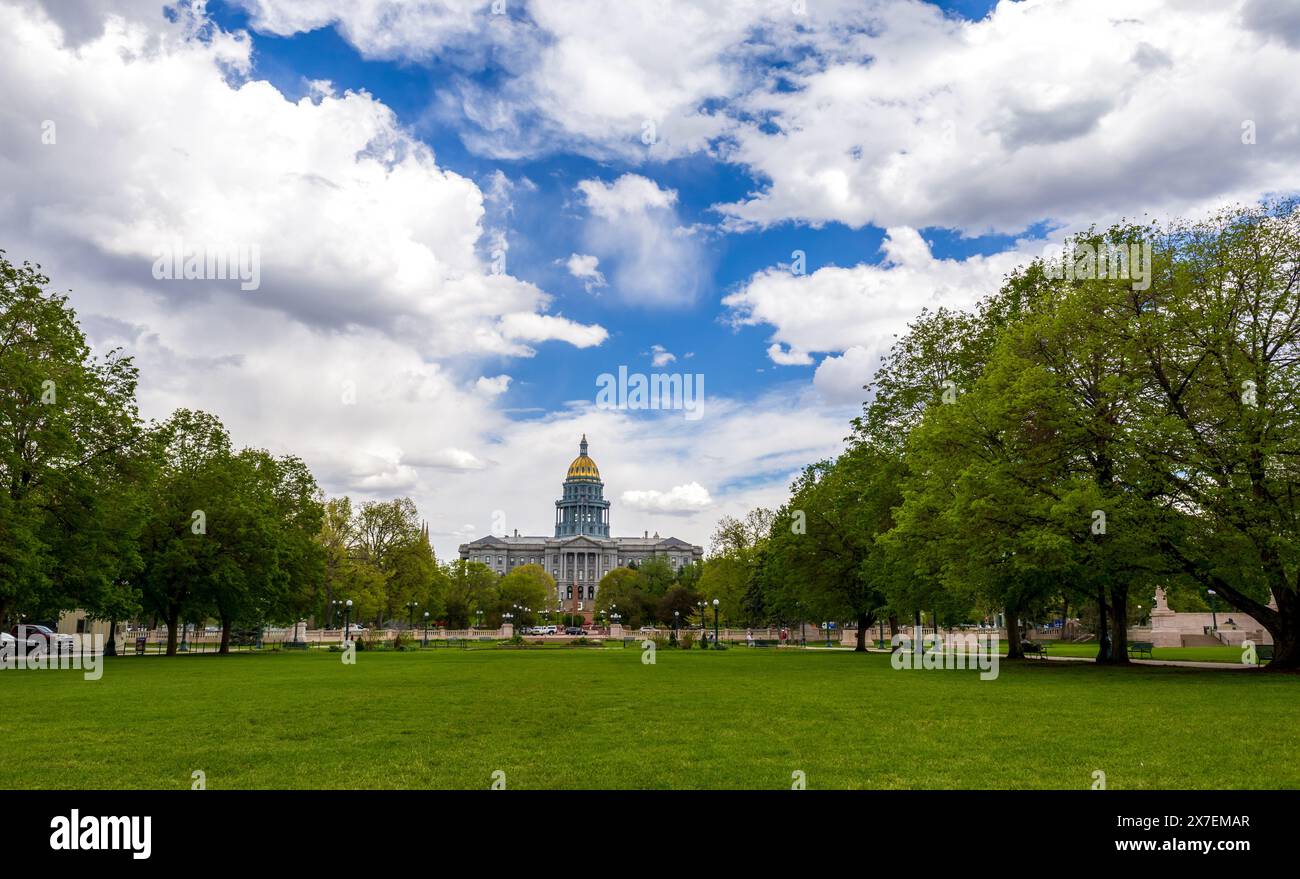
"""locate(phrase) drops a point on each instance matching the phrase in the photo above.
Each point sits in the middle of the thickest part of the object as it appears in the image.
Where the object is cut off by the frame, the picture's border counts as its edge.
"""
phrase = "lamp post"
(426, 629)
(410, 613)
(347, 620)
(676, 616)
(704, 627)
(185, 628)
(1214, 609)
(478, 615)
(715, 623)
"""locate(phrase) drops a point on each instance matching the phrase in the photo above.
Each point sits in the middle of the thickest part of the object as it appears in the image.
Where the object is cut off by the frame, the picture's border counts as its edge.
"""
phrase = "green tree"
(69, 459)
(525, 587)
(470, 587)
(623, 591)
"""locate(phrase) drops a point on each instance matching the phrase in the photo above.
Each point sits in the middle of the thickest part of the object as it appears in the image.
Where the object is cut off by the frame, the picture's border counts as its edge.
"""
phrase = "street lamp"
(426, 629)
(715, 623)
(704, 628)
(410, 613)
(347, 620)
(1214, 609)
(676, 616)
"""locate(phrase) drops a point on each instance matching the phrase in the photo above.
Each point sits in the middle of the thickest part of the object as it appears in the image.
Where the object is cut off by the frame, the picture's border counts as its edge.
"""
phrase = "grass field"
(600, 718)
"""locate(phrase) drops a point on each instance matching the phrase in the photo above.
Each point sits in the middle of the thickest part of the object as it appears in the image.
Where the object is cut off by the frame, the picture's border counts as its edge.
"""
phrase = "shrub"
(403, 640)
(687, 640)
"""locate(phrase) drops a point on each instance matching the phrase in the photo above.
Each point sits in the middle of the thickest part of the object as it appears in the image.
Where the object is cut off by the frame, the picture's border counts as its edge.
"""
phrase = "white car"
(8, 643)
(356, 630)
(45, 636)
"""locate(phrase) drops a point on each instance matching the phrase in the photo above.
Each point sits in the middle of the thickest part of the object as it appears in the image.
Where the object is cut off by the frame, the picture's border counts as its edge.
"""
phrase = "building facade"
(581, 550)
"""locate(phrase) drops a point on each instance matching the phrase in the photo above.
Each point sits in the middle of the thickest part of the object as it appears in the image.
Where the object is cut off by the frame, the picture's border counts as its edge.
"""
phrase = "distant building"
(581, 551)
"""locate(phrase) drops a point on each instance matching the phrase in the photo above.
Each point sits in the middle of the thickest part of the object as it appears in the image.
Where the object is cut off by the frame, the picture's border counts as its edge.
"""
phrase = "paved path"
(1180, 663)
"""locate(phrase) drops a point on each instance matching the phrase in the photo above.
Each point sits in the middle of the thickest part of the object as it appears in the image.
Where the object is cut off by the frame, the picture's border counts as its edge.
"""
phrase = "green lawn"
(600, 718)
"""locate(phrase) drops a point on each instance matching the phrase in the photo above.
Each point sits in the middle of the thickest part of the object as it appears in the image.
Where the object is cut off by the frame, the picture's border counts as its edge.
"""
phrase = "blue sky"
(380, 156)
(546, 226)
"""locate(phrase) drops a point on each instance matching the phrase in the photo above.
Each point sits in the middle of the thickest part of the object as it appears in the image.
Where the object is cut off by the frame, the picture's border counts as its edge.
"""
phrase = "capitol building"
(581, 550)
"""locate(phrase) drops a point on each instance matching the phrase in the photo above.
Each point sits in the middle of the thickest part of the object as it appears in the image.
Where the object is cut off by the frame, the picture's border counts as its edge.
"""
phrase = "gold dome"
(583, 466)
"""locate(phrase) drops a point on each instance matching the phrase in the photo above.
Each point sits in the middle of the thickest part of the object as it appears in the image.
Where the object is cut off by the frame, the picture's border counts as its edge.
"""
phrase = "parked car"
(8, 643)
(550, 630)
(648, 630)
(574, 630)
(356, 630)
(44, 635)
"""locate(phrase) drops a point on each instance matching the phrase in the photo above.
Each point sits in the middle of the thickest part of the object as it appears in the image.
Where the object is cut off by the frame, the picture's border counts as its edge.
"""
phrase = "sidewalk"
(1179, 663)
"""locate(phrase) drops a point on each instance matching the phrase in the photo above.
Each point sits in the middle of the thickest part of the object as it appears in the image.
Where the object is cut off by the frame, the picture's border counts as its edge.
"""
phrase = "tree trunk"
(1065, 618)
(865, 621)
(1286, 633)
(1103, 627)
(893, 624)
(110, 649)
(172, 616)
(1014, 649)
(225, 636)
(1119, 625)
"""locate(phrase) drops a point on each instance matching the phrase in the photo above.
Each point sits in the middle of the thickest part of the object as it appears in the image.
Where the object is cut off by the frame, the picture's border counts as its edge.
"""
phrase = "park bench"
(1034, 648)
(1140, 648)
(1263, 653)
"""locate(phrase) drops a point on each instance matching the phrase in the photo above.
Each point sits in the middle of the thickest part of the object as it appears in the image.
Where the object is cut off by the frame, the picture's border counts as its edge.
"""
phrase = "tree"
(1219, 335)
(191, 473)
(623, 591)
(824, 553)
(526, 586)
(69, 459)
(470, 587)
(379, 531)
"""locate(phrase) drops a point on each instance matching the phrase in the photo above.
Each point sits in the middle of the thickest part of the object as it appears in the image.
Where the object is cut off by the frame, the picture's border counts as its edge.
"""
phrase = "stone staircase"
(1201, 641)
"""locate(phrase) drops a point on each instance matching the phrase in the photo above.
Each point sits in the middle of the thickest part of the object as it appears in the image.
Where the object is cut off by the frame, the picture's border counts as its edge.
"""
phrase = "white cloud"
(586, 268)
(882, 112)
(494, 386)
(633, 226)
(677, 500)
(840, 378)
(1069, 110)
(836, 309)
(661, 356)
(629, 195)
(783, 356)
(160, 139)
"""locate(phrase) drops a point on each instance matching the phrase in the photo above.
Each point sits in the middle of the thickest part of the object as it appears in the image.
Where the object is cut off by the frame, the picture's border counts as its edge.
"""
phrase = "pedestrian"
(749, 638)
